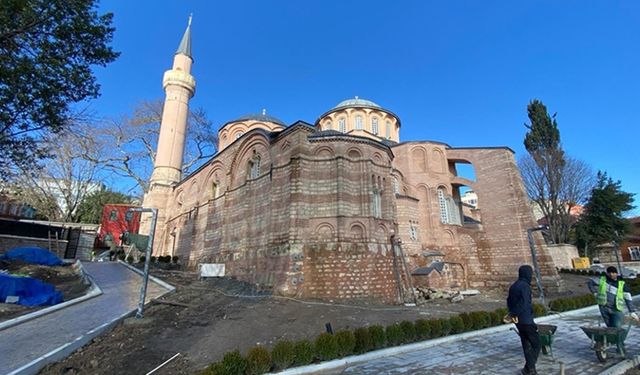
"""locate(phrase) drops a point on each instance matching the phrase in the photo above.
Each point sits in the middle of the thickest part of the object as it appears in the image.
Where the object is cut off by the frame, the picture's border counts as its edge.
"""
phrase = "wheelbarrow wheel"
(546, 349)
(601, 353)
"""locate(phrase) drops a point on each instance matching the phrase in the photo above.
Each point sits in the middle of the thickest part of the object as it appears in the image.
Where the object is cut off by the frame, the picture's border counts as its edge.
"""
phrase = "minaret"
(179, 86)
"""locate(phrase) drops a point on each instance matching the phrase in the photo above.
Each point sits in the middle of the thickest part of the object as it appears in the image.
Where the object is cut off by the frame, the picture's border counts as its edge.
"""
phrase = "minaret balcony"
(179, 78)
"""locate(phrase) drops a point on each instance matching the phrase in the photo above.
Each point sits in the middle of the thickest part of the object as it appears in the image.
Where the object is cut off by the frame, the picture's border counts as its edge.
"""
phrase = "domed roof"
(356, 102)
(262, 117)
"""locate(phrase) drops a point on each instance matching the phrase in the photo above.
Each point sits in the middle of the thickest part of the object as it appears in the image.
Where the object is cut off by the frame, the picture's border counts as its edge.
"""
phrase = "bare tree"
(576, 179)
(127, 145)
(57, 188)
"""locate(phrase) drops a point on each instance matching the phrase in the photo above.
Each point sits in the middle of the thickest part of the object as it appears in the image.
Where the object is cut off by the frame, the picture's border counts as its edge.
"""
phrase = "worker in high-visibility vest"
(612, 294)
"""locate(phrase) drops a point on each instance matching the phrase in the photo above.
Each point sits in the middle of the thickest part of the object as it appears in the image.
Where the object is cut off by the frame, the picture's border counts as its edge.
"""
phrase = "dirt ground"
(64, 278)
(208, 319)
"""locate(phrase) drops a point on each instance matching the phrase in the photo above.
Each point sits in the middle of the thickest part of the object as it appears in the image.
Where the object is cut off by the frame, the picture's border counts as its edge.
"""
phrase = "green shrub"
(175, 259)
(283, 354)
(346, 343)
(304, 352)
(436, 328)
(130, 259)
(539, 310)
(423, 329)
(215, 368)
(456, 323)
(408, 330)
(233, 363)
(482, 319)
(394, 334)
(326, 347)
(121, 256)
(142, 258)
(496, 318)
(558, 305)
(378, 337)
(468, 322)
(445, 326)
(364, 343)
(153, 259)
(258, 361)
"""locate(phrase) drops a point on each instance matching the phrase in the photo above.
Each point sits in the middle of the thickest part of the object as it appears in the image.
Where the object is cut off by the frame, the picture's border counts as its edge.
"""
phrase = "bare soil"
(211, 317)
(64, 278)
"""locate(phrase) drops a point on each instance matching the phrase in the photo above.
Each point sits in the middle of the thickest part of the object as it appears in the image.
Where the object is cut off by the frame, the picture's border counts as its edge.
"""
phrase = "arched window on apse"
(215, 189)
(442, 202)
(342, 125)
(374, 126)
(359, 122)
(254, 167)
(388, 130)
(239, 134)
(377, 204)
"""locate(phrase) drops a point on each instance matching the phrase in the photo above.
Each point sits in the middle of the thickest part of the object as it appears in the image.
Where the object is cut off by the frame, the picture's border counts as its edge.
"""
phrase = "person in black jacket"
(521, 312)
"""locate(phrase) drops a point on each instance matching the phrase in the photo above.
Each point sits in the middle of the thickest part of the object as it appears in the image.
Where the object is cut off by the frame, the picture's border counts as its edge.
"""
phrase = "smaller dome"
(262, 117)
(356, 102)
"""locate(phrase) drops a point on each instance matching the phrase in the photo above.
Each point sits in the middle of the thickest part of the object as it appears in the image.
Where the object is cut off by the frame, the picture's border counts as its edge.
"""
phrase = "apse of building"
(340, 209)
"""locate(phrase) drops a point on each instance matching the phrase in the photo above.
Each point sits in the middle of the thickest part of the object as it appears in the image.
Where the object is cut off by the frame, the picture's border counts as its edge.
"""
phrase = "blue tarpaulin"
(33, 255)
(27, 291)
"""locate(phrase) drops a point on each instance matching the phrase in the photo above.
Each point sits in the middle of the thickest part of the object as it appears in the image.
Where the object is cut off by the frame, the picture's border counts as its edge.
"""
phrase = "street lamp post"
(534, 258)
(147, 259)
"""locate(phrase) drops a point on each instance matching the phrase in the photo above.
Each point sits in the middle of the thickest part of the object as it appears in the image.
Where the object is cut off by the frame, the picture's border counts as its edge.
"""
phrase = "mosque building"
(338, 209)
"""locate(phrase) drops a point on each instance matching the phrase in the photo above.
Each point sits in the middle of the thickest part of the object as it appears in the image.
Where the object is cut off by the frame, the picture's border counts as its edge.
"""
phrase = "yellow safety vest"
(602, 294)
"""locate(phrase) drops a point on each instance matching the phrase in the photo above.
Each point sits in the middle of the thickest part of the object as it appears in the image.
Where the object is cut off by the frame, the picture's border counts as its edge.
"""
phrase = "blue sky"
(457, 72)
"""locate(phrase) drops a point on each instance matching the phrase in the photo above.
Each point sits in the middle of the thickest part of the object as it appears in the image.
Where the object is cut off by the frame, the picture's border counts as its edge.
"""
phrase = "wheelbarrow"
(546, 332)
(604, 338)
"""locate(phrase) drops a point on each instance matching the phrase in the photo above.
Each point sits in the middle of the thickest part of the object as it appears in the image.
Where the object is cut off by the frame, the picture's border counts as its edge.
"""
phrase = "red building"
(115, 222)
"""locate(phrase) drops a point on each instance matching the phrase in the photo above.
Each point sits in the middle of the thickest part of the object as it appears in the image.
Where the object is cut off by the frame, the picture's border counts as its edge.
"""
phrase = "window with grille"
(113, 215)
(444, 213)
(634, 252)
(359, 122)
(377, 204)
(413, 232)
(374, 126)
(342, 125)
(254, 167)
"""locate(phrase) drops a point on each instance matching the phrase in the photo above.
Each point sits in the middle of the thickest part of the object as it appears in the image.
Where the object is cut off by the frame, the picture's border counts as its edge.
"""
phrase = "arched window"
(376, 204)
(374, 126)
(113, 215)
(396, 185)
(388, 130)
(444, 213)
(342, 125)
(413, 232)
(329, 125)
(215, 189)
(254, 167)
(239, 134)
(359, 122)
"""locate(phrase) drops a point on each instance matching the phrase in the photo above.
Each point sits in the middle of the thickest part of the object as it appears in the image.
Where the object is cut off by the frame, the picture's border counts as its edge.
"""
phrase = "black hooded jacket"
(519, 300)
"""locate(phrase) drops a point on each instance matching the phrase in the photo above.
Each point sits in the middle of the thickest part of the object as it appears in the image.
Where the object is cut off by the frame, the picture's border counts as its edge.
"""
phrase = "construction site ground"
(65, 279)
(206, 318)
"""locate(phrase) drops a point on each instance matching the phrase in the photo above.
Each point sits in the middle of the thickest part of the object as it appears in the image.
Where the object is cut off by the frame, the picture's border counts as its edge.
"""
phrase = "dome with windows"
(235, 129)
(363, 118)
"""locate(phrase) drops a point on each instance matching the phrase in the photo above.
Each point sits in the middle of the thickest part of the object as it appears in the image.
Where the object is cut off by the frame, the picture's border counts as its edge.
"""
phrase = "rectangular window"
(342, 126)
(128, 216)
(113, 215)
(634, 252)
(413, 232)
(359, 122)
(388, 130)
(377, 205)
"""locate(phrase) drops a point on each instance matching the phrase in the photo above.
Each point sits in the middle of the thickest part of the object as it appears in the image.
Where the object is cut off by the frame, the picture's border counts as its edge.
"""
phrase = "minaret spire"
(185, 43)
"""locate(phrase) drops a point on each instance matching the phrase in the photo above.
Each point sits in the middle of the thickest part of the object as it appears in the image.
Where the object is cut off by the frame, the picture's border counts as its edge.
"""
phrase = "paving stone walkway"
(501, 353)
(21, 344)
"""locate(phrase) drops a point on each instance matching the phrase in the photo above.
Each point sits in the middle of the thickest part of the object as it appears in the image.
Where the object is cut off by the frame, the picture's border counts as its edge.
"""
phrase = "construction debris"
(425, 294)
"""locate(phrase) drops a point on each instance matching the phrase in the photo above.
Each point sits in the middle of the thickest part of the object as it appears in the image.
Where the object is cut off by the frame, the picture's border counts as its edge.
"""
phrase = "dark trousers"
(530, 345)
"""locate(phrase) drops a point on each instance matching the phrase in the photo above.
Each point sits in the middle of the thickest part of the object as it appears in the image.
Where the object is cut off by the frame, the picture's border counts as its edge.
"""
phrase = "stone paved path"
(25, 342)
(500, 353)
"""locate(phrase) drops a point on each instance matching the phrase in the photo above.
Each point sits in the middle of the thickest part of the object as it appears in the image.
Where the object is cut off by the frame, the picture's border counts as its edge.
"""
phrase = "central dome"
(357, 102)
